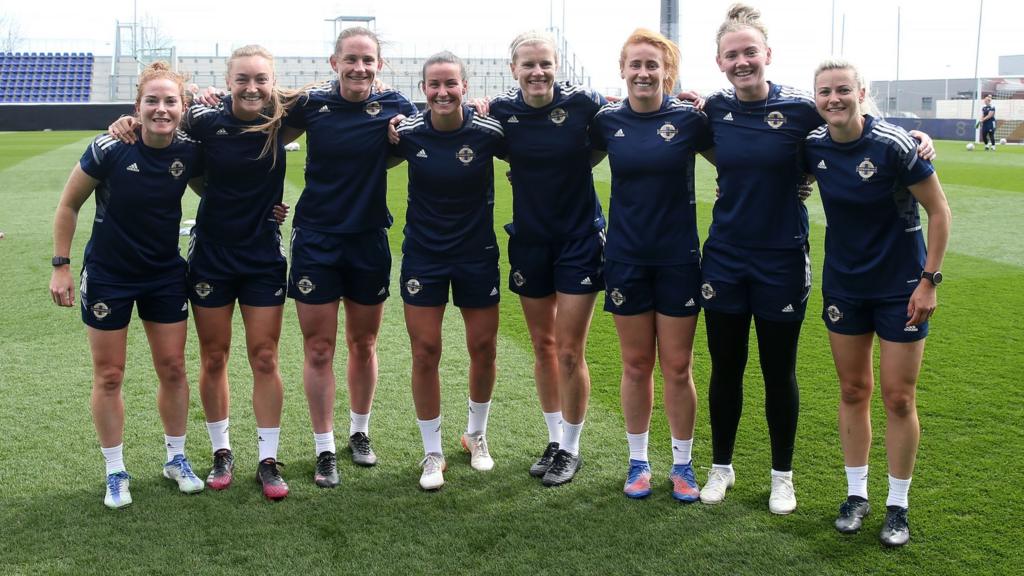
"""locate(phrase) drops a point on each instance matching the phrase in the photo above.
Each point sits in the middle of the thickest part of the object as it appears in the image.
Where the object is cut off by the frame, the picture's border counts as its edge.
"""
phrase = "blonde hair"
(667, 47)
(161, 70)
(868, 106)
(356, 31)
(276, 109)
(530, 38)
(739, 17)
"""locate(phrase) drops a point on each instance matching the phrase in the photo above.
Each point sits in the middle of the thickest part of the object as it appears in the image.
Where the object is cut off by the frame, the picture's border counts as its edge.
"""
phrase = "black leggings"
(988, 136)
(728, 335)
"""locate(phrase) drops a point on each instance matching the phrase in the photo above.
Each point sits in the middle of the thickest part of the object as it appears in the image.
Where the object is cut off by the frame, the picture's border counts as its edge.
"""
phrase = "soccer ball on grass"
(970, 146)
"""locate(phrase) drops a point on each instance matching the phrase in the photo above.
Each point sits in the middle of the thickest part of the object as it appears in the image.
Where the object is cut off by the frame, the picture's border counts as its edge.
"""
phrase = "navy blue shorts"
(770, 284)
(108, 305)
(573, 266)
(253, 275)
(886, 317)
(672, 290)
(474, 283)
(326, 267)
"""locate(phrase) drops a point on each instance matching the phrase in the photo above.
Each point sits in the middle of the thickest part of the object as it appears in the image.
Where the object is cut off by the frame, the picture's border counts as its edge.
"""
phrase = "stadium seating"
(45, 77)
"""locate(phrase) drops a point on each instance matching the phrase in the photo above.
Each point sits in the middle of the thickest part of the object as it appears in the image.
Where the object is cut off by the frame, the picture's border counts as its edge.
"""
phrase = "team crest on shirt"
(465, 155)
(203, 289)
(413, 286)
(866, 169)
(177, 168)
(775, 119)
(616, 297)
(372, 108)
(706, 291)
(518, 278)
(305, 285)
(834, 315)
(100, 310)
(558, 116)
(668, 131)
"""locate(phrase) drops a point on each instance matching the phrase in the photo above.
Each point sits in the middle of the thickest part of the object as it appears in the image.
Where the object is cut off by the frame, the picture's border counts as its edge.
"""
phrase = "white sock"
(477, 421)
(358, 423)
(175, 445)
(114, 458)
(218, 432)
(898, 490)
(857, 481)
(681, 451)
(637, 446)
(266, 441)
(554, 422)
(324, 442)
(786, 474)
(430, 431)
(571, 437)
(724, 467)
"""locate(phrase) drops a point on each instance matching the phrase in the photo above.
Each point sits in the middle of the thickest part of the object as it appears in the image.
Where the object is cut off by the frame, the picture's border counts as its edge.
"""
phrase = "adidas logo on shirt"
(822, 166)
(620, 134)
(690, 303)
(586, 282)
(727, 117)
(133, 167)
(422, 153)
(324, 108)
(494, 291)
(513, 120)
(788, 308)
(222, 132)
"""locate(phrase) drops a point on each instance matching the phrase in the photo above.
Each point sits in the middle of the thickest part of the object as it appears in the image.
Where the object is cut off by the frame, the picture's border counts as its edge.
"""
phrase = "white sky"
(937, 40)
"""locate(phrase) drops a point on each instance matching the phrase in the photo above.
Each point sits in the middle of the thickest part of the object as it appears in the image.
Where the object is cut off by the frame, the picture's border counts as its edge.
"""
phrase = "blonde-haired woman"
(878, 279)
(236, 254)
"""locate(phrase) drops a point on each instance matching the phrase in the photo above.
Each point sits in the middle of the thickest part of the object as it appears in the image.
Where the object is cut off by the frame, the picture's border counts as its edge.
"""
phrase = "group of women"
(763, 139)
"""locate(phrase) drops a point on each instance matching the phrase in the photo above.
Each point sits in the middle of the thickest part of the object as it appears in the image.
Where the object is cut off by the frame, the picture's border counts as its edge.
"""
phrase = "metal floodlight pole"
(977, 48)
(670, 27)
(898, 14)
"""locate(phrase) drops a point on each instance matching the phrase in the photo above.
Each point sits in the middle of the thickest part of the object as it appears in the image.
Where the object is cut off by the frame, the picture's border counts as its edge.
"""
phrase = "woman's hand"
(124, 129)
(62, 286)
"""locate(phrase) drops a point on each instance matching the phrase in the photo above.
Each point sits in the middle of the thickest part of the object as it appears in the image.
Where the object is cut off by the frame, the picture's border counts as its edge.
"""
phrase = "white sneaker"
(479, 457)
(117, 495)
(783, 497)
(179, 470)
(719, 480)
(433, 471)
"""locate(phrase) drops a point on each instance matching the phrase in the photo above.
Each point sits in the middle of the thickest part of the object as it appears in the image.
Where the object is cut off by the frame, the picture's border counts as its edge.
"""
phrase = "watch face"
(937, 278)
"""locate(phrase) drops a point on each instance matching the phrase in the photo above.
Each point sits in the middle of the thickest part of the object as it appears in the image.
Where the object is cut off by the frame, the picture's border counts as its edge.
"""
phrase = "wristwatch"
(934, 277)
(59, 261)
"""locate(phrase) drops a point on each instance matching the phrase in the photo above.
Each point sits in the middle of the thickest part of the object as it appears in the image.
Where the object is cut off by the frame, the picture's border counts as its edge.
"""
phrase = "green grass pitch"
(967, 499)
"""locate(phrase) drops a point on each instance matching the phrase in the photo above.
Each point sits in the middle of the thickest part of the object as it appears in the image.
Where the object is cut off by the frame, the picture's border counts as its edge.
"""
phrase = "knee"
(637, 368)
(263, 359)
(900, 404)
(426, 355)
(171, 370)
(361, 347)
(107, 379)
(320, 353)
(677, 370)
(570, 358)
(544, 346)
(483, 350)
(214, 360)
(855, 391)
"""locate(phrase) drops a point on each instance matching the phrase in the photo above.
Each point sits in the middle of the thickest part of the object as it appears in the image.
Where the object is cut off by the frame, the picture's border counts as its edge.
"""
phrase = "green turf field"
(967, 501)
